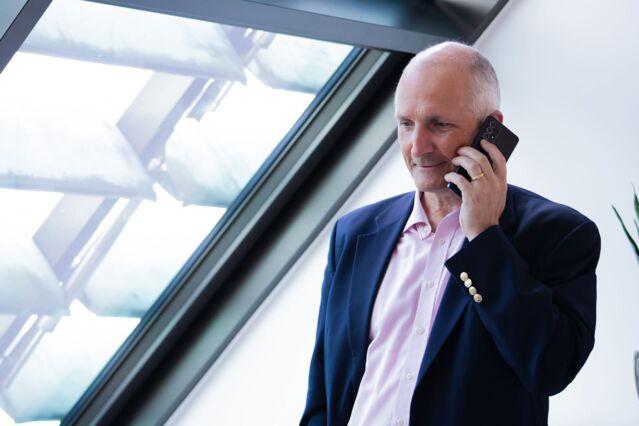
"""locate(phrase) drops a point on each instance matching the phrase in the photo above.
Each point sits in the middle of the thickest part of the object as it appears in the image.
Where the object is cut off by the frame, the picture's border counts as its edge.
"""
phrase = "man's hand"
(484, 198)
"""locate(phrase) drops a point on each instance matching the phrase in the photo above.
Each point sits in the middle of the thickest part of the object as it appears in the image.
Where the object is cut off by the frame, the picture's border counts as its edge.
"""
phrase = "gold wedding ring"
(479, 176)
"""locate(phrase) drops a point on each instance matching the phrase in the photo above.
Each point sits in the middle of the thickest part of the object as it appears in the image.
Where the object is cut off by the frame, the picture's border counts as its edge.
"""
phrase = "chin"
(431, 181)
(431, 186)
(435, 184)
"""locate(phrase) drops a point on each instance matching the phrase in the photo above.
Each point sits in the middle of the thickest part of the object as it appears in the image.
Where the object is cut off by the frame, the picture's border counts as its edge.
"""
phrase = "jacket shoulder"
(530, 207)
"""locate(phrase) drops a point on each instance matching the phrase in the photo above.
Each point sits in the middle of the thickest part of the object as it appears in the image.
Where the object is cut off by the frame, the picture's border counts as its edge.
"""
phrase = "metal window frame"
(418, 26)
(278, 17)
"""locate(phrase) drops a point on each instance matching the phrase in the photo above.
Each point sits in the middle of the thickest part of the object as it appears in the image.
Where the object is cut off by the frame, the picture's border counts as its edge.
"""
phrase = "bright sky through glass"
(119, 153)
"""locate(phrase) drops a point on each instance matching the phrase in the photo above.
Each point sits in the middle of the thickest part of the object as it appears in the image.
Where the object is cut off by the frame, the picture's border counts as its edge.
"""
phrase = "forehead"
(433, 88)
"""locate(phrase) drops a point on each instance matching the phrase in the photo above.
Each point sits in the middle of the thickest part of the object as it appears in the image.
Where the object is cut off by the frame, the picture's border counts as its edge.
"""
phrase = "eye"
(405, 123)
(442, 126)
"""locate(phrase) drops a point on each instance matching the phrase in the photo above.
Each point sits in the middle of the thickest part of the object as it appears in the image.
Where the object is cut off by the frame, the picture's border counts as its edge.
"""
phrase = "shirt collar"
(418, 215)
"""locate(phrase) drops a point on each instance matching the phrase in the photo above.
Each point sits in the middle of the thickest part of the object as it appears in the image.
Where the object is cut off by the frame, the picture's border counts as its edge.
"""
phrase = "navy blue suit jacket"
(489, 363)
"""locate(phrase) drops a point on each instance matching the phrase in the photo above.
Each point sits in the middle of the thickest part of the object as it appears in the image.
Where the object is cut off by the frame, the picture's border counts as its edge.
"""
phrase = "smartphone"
(495, 132)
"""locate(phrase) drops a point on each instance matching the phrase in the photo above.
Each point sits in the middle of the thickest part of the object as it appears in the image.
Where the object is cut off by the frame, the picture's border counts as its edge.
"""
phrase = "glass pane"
(125, 136)
(9, 9)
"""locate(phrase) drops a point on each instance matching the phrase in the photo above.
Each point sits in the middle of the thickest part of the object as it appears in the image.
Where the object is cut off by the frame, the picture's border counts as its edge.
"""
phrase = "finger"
(479, 158)
(458, 180)
(497, 158)
(469, 164)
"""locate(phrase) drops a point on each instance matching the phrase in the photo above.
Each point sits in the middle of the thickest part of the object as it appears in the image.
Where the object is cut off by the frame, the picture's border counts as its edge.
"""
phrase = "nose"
(422, 142)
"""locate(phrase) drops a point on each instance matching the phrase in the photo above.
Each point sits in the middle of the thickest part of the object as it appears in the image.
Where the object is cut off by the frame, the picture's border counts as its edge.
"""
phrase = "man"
(437, 310)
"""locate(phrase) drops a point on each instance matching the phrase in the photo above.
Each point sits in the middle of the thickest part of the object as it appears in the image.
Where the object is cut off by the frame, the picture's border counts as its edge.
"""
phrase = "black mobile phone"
(493, 131)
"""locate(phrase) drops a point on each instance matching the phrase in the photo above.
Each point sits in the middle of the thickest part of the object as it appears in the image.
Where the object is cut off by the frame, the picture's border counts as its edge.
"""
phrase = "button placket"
(422, 316)
(431, 286)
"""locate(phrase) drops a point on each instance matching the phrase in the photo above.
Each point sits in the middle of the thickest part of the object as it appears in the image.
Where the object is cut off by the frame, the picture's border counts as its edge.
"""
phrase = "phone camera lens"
(492, 137)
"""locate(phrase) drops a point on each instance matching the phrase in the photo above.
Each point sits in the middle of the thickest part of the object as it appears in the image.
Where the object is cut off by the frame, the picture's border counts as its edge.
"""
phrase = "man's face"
(433, 121)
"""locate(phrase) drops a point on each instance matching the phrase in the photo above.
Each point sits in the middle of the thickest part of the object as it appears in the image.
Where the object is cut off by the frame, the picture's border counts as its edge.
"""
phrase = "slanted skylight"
(125, 136)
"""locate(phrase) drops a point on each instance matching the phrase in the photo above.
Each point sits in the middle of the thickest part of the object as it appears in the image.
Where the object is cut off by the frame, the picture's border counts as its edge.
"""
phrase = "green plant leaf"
(636, 202)
(625, 230)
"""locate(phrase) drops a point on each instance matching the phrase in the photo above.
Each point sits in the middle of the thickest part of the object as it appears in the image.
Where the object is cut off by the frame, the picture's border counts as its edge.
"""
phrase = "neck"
(437, 205)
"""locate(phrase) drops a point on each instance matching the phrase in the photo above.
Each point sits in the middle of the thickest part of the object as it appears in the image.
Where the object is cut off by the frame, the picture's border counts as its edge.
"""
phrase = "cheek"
(405, 147)
(449, 146)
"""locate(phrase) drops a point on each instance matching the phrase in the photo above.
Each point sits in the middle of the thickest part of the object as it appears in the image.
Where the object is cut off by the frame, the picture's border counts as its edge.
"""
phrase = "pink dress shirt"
(403, 314)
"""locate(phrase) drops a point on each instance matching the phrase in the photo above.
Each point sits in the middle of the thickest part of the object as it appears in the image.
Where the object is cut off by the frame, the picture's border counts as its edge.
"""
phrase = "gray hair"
(485, 97)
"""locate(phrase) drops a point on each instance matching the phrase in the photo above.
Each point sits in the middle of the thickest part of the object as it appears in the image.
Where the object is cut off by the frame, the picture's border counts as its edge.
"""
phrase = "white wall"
(570, 90)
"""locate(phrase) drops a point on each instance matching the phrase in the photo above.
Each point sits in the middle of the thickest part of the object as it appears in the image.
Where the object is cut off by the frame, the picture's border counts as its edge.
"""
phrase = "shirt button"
(441, 241)
(421, 330)
(430, 284)
(463, 276)
(409, 376)
(399, 422)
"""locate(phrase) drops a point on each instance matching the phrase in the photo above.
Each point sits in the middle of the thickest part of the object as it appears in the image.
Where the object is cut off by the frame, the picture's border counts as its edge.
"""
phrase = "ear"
(498, 115)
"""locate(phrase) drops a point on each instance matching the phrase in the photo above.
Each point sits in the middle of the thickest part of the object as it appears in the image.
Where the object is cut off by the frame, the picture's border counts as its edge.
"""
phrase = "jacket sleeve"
(315, 410)
(542, 325)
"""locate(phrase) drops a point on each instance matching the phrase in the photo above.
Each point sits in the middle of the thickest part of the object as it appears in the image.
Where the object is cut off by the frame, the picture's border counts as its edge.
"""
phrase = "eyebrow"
(429, 119)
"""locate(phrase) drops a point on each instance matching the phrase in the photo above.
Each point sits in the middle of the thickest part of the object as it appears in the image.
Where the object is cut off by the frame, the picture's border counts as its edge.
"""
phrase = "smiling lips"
(428, 166)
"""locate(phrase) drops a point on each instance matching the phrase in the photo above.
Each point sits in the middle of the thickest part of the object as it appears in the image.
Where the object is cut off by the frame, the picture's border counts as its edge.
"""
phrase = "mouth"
(428, 166)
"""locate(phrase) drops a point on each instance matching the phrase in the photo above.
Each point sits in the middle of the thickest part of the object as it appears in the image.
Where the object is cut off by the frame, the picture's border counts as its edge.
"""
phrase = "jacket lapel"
(455, 301)
(372, 254)
(450, 310)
